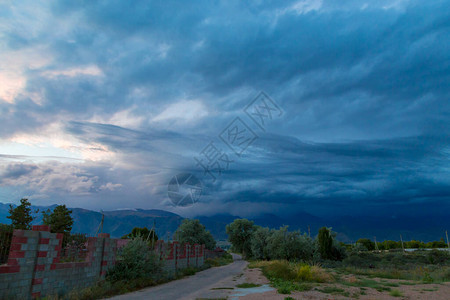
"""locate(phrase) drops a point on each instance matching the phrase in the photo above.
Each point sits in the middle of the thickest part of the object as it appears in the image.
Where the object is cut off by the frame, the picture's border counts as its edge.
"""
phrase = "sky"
(102, 103)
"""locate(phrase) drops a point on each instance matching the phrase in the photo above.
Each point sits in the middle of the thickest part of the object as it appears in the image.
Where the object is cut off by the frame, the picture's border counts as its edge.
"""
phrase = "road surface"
(211, 283)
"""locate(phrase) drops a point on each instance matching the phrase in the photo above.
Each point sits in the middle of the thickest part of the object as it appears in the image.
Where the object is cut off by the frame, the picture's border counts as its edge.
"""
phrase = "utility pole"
(448, 244)
(100, 227)
(376, 245)
(402, 243)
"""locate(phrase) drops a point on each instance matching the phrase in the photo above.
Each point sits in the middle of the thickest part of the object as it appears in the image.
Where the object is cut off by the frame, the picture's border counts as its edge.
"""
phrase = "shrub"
(188, 271)
(312, 273)
(136, 261)
(279, 269)
(304, 273)
(320, 275)
(395, 293)
(223, 260)
(438, 257)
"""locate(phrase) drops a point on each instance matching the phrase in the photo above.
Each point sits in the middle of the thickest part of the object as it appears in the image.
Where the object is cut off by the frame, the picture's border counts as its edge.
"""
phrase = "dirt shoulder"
(388, 289)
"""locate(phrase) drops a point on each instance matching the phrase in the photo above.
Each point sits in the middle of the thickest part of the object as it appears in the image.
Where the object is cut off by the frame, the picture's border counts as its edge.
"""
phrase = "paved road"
(204, 284)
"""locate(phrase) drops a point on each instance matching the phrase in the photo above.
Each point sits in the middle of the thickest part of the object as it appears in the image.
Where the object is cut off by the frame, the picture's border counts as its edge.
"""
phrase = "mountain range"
(349, 228)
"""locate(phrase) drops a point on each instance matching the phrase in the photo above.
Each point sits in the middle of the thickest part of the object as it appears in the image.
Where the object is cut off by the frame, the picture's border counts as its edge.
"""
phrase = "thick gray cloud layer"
(143, 87)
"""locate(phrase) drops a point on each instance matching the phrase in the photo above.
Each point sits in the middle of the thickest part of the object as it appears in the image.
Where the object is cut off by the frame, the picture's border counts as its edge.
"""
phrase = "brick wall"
(33, 268)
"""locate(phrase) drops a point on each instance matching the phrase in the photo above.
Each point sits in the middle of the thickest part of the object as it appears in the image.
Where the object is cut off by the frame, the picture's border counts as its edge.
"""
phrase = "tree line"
(256, 242)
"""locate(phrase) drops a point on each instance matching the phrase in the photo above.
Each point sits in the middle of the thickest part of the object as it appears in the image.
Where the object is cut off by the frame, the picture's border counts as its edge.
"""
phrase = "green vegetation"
(136, 268)
(223, 260)
(247, 285)
(324, 260)
(136, 261)
(239, 234)
(144, 233)
(193, 232)
(6, 232)
(425, 266)
(288, 276)
(262, 243)
(395, 293)
(20, 216)
(59, 220)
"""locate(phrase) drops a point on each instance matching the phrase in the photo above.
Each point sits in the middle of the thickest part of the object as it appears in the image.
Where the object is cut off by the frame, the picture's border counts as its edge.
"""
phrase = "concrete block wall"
(34, 269)
(177, 257)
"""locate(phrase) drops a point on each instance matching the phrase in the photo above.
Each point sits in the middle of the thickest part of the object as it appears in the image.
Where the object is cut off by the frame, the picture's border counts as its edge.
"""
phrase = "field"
(364, 275)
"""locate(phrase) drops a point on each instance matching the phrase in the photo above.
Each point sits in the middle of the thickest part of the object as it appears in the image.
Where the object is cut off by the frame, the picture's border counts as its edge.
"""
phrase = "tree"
(193, 232)
(368, 244)
(329, 247)
(289, 245)
(239, 234)
(259, 241)
(59, 220)
(20, 216)
(143, 233)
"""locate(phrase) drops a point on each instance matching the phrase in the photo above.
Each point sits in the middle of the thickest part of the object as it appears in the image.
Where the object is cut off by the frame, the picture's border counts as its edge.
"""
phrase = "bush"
(136, 261)
(304, 273)
(437, 257)
(279, 269)
(223, 260)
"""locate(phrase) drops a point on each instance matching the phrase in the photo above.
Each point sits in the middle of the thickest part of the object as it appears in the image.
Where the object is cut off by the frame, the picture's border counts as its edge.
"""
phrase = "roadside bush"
(304, 273)
(279, 269)
(223, 260)
(136, 261)
(312, 274)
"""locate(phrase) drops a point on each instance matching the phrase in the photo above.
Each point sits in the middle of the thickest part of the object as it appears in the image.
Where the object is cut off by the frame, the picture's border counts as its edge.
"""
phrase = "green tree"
(193, 232)
(289, 245)
(259, 241)
(60, 220)
(20, 216)
(325, 241)
(239, 234)
(143, 233)
(367, 243)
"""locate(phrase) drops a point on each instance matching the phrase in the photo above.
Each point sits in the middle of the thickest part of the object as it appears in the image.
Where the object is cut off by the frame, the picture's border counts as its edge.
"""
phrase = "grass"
(396, 293)
(220, 261)
(366, 270)
(430, 290)
(334, 290)
(247, 285)
(187, 271)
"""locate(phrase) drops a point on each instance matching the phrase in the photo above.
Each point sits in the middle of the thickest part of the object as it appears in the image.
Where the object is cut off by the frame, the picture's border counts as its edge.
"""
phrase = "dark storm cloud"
(363, 86)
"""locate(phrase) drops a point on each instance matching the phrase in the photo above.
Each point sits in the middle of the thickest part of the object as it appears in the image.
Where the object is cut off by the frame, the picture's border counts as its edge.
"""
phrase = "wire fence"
(6, 233)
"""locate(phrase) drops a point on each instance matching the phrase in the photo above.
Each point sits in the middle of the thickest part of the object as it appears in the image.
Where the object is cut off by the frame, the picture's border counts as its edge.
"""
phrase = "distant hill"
(349, 228)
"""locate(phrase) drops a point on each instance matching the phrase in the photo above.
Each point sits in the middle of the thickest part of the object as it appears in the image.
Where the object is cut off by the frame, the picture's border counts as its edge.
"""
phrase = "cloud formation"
(101, 103)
